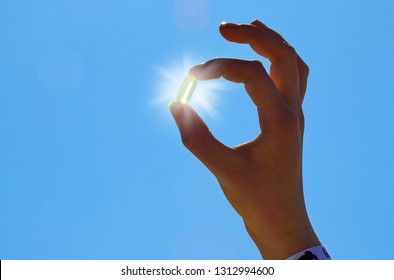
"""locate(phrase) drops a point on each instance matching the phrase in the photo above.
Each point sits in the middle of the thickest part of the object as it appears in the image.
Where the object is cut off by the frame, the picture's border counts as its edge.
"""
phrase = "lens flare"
(172, 82)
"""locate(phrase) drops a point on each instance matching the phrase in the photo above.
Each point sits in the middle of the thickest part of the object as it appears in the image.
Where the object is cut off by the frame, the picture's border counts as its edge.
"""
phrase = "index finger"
(303, 69)
(252, 74)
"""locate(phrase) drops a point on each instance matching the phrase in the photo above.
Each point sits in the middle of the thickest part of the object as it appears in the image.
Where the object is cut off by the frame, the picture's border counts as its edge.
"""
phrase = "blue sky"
(92, 168)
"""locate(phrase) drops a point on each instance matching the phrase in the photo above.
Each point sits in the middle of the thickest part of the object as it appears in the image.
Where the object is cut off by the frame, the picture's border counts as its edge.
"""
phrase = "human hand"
(262, 179)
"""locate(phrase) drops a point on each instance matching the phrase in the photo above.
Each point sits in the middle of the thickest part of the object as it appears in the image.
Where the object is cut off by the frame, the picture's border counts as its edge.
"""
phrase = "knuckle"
(304, 68)
(257, 65)
(290, 51)
(286, 52)
(255, 69)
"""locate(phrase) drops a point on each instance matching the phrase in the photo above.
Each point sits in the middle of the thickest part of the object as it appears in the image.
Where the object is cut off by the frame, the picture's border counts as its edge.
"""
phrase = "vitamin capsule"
(187, 88)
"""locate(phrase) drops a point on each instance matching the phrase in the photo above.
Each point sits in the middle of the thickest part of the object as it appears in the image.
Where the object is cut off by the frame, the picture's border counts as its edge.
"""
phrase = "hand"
(262, 179)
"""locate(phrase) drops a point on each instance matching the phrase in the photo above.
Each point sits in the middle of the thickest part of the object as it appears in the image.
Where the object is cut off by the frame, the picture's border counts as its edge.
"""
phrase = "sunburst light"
(172, 77)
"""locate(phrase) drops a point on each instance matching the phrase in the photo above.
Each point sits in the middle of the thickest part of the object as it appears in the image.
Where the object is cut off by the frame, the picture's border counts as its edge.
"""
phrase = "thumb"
(199, 140)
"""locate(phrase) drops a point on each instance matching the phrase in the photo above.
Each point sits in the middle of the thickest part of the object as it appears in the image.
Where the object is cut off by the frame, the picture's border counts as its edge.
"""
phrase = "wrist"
(281, 246)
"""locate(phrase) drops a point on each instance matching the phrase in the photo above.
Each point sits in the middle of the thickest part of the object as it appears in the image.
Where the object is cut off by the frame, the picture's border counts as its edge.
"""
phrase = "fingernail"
(228, 25)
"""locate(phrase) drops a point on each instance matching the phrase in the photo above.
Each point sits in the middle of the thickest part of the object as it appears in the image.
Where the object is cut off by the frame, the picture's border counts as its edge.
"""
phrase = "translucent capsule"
(187, 89)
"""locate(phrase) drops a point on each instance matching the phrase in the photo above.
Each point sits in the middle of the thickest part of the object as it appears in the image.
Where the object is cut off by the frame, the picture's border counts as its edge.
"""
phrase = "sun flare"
(172, 78)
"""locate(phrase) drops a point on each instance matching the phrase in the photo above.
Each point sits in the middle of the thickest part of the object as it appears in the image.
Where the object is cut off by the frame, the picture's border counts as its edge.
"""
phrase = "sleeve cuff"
(313, 253)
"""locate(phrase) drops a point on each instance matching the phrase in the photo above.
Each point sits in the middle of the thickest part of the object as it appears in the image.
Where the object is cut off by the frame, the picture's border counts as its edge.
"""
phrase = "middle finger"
(283, 58)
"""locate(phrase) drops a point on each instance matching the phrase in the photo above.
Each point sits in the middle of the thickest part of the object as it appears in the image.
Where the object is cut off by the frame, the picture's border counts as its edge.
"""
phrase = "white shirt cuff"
(313, 253)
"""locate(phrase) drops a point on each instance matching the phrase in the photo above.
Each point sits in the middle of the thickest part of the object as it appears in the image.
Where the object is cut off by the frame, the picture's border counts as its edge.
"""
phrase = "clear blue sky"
(92, 168)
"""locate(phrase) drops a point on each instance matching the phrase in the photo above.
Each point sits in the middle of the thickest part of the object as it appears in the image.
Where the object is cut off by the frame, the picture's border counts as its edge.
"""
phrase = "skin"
(262, 179)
